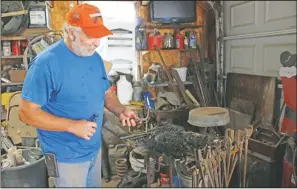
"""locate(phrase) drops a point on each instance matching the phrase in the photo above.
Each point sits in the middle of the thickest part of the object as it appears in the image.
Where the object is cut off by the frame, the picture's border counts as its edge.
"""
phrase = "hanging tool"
(214, 167)
(209, 163)
(192, 98)
(204, 162)
(217, 162)
(194, 177)
(170, 82)
(247, 134)
(229, 133)
(182, 89)
(232, 170)
(199, 166)
(240, 141)
(224, 157)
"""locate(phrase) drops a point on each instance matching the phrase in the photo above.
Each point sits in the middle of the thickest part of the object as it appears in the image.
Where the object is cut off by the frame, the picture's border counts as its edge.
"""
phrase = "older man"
(64, 94)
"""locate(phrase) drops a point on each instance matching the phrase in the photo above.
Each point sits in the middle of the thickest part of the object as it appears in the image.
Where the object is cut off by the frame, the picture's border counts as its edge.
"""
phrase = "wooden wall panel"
(58, 13)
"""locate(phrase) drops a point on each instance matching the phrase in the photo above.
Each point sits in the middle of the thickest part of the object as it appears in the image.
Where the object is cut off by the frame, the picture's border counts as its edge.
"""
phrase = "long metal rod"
(198, 164)
(170, 83)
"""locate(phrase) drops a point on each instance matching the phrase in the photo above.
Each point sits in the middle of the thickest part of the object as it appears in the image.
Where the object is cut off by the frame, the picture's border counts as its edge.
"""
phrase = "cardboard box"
(17, 75)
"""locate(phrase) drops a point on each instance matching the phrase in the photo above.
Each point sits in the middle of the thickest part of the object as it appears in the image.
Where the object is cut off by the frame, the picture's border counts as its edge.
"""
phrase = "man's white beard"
(81, 49)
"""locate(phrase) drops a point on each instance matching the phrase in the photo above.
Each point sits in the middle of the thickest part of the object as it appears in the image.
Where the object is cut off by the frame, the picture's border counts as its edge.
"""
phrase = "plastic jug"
(115, 152)
(124, 90)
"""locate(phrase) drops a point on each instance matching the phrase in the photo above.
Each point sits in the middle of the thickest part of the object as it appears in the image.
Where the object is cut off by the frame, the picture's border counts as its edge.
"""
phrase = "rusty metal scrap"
(173, 141)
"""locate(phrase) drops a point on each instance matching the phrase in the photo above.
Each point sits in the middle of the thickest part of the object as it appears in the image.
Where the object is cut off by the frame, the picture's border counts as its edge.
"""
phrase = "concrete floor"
(112, 183)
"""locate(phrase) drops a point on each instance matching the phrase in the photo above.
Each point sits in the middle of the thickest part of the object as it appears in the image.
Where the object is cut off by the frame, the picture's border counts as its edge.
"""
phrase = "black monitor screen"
(181, 11)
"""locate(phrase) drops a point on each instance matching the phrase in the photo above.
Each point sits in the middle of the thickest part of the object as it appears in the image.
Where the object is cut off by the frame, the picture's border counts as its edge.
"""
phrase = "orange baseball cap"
(89, 19)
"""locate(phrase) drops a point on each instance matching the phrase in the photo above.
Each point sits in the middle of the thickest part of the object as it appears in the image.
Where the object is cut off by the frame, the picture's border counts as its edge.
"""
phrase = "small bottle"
(186, 42)
(6, 48)
(179, 40)
(193, 40)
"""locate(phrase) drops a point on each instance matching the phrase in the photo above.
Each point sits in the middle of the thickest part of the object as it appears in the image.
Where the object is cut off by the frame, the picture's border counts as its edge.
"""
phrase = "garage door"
(256, 32)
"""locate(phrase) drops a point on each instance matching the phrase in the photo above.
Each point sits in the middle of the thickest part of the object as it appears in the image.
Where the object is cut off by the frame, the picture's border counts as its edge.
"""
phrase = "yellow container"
(5, 99)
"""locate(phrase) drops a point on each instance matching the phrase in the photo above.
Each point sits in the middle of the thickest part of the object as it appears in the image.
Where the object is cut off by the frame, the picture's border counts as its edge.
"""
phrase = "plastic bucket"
(28, 175)
(182, 72)
(138, 166)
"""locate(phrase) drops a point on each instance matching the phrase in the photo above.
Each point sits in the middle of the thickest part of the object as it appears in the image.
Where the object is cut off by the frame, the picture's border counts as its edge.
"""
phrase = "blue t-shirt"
(69, 86)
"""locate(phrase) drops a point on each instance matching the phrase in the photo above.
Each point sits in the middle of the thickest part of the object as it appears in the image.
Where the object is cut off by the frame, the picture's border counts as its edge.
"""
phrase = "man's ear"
(71, 34)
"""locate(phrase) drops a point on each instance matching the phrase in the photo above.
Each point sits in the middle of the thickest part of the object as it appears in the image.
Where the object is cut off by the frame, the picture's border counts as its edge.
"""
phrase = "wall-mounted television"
(168, 12)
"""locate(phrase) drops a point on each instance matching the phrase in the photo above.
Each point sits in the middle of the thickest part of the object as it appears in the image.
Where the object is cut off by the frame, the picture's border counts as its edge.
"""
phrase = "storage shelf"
(12, 38)
(182, 26)
(11, 57)
(164, 84)
(15, 13)
(168, 50)
(26, 33)
(11, 84)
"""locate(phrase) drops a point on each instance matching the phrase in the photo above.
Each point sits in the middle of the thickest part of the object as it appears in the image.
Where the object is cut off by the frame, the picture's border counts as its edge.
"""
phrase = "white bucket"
(182, 72)
(138, 166)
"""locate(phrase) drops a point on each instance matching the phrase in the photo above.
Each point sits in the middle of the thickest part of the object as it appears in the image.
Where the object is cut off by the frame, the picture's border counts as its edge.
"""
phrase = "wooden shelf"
(30, 31)
(25, 34)
(11, 57)
(164, 26)
(164, 84)
(15, 13)
(11, 84)
(169, 50)
(12, 38)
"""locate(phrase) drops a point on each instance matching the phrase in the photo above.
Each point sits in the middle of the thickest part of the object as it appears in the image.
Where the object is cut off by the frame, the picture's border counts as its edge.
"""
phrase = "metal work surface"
(209, 117)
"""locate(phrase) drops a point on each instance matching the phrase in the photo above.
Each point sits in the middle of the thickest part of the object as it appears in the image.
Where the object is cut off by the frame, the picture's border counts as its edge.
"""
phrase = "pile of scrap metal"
(199, 160)
(172, 141)
(214, 166)
(179, 94)
(14, 155)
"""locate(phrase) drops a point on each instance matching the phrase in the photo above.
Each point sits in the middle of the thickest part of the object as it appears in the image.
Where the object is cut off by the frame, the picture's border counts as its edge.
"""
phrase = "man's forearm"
(112, 103)
(38, 118)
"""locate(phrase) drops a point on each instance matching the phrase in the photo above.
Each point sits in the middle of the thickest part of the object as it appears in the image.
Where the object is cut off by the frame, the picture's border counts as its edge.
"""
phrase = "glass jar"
(6, 46)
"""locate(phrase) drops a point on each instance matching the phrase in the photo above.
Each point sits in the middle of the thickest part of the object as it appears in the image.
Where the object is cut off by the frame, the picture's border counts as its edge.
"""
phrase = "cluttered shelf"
(11, 57)
(25, 34)
(12, 38)
(12, 84)
(181, 50)
(163, 84)
(180, 26)
(15, 13)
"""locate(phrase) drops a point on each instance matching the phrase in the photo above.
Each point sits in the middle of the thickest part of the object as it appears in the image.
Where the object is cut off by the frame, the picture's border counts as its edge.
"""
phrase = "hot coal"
(173, 141)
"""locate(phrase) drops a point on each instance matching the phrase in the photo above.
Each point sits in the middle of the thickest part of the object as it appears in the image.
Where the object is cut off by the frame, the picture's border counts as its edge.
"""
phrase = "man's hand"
(129, 118)
(84, 129)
